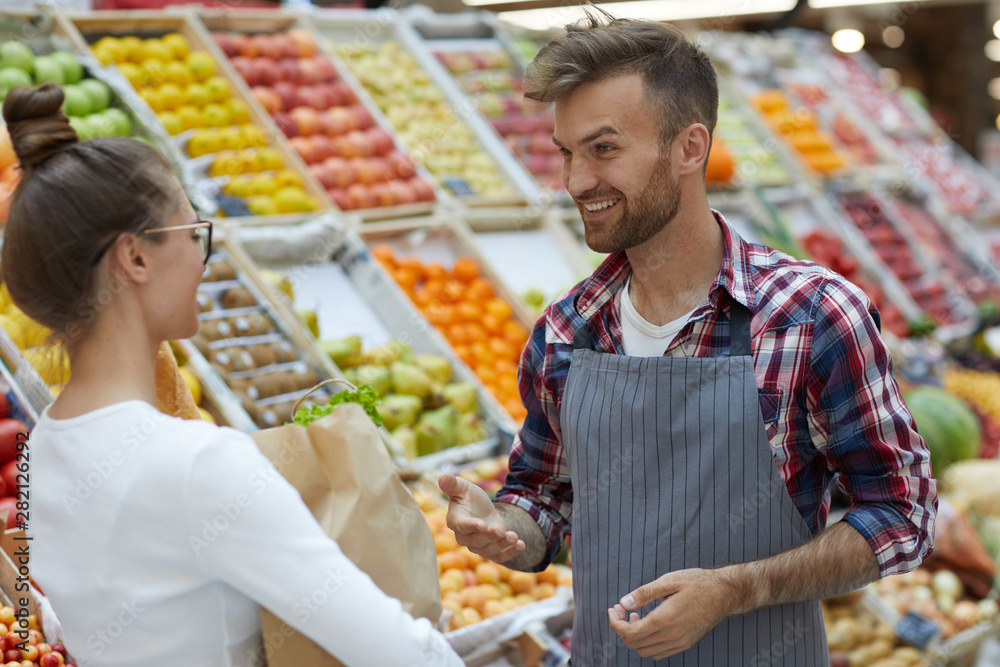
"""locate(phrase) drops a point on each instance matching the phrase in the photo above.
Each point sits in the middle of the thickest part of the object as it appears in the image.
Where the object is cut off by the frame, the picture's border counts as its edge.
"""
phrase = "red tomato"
(9, 428)
(9, 505)
(8, 473)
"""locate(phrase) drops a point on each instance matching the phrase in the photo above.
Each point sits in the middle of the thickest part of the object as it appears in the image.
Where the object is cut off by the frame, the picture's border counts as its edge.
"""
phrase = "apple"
(13, 77)
(306, 120)
(344, 118)
(310, 72)
(267, 72)
(381, 140)
(341, 171)
(382, 194)
(290, 70)
(341, 199)
(304, 147)
(16, 54)
(34, 636)
(361, 196)
(421, 189)
(350, 97)
(225, 42)
(9, 472)
(367, 172)
(403, 193)
(401, 166)
(362, 117)
(60, 649)
(305, 45)
(30, 652)
(246, 45)
(76, 101)
(322, 175)
(286, 125)
(323, 147)
(330, 94)
(268, 47)
(12, 655)
(332, 124)
(246, 68)
(51, 660)
(311, 97)
(268, 99)
(326, 70)
(48, 70)
(44, 648)
(289, 94)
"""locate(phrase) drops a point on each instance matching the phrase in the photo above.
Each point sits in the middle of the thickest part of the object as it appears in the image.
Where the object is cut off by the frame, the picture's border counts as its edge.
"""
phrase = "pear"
(411, 379)
(310, 319)
(463, 396)
(376, 377)
(435, 430)
(388, 354)
(351, 375)
(279, 282)
(535, 298)
(399, 410)
(470, 429)
(437, 366)
(407, 439)
(345, 352)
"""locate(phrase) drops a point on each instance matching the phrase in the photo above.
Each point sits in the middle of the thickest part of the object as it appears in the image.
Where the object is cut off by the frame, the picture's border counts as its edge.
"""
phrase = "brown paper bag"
(376, 522)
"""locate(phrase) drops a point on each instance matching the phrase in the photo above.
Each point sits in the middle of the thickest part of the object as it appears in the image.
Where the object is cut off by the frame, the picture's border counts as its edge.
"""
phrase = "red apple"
(363, 119)
(365, 147)
(345, 118)
(30, 652)
(310, 73)
(309, 96)
(267, 71)
(332, 125)
(304, 147)
(284, 47)
(246, 69)
(51, 660)
(323, 175)
(383, 195)
(286, 125)
(380, 140)
(304, 43)
(268, 99)
(361, 196)
(325, 69)
(367, 172)
(290, 71)
(34, 637)
(421, 189)
(403, 193)
(12, 655)
(268, 46)
(59, 648)
(323, 147)
(341, 171)
(306, 120)
(289, 94)
(44, 648)
(341, 199)
(247, 46)
(331, 96)
(225, 42)
(402, 166)
(350, 97)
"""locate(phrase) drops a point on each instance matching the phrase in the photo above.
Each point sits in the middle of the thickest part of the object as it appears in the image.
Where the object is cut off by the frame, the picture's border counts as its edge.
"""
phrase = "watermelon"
(948, 425)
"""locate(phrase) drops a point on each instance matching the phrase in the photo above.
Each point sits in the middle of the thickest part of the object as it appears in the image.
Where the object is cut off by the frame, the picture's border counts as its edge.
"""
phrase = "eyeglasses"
(204, 237)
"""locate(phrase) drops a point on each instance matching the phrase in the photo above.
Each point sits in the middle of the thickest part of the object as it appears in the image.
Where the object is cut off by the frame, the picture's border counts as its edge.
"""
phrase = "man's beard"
(645, 214)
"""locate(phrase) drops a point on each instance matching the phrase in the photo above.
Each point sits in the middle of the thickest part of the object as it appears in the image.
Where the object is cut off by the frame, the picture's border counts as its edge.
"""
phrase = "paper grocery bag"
(376, 522)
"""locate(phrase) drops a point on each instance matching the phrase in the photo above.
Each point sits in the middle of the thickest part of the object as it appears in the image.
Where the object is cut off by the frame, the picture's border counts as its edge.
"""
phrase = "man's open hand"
(476, 522)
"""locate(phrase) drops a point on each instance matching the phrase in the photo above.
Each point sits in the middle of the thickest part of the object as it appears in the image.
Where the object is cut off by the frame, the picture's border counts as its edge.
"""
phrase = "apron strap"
(581, 337)
(739, 329)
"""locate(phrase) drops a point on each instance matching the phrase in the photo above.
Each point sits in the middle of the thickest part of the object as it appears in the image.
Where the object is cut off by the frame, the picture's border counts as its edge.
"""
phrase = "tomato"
(8, 473)
(9, 428)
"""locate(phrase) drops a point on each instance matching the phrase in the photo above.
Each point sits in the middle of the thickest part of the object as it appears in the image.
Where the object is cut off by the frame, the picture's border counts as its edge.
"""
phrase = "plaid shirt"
(829, 401)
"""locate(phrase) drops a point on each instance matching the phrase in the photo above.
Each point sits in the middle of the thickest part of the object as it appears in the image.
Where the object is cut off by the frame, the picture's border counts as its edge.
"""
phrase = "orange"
(465, 269)
(477, 334)
(468, 312)
(485, 373)
(406, 277)
(451, 560)
(384, 254)
(480, 290)
(433, 287)
(464, 352)
(493, 324)
(435, 271)
(548, 576)
(499, 308)
(440, 314)
(453, 291)
(721, 166)
(457, 334)
(515, 333)
(413, 264)
(422, 299)
(501, 349)
(481, 352)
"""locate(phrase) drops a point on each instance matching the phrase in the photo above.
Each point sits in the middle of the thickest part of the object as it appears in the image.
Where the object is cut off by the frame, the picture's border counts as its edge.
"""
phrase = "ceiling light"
(993, 88)
(848, 40)
(996, 29)
(893, 36)
(992, 49)
(822, 4)
(654, 10)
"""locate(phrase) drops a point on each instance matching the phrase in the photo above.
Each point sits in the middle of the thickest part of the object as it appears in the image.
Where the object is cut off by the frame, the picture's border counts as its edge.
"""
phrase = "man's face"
(615, 165)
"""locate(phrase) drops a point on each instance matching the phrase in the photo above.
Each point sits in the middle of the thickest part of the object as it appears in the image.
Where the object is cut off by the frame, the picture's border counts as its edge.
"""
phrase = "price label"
(233, 207)
(458, 187)
(917, 631)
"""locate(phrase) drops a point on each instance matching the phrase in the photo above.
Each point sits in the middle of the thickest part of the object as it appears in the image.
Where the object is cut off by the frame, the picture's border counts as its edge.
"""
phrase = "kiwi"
(205, 303)
(260, 323)
(243, 361)
(286, 351)
(305, 378)
(237, 297)
(241, 325)
(263, 355)
(268, 418)
(216, 329)
(221, 271)
(286, 382)
(239, 385)
(222, 359)
(200, 344)
(265, 386)
(249, 404)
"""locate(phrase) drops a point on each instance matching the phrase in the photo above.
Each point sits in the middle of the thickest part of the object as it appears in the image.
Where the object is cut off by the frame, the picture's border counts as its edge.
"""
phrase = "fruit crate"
(936, 293)
(219, 132)
(252, 354)
(816, 225)
(365, 324)
(425, 106)
(536, 258)
(334, 125)
(475, 50)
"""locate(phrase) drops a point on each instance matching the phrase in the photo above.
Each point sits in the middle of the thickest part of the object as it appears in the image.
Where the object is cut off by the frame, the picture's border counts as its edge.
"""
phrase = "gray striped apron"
(672, 469)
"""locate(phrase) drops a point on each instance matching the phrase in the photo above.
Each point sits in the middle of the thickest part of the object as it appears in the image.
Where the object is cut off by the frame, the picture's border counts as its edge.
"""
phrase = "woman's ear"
(691, 150)
(130, 259)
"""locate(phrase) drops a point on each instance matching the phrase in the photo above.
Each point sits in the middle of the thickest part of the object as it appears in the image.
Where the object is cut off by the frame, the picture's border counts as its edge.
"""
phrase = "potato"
(887, 662)
(842, 635)
(883, 631)
(908, 655)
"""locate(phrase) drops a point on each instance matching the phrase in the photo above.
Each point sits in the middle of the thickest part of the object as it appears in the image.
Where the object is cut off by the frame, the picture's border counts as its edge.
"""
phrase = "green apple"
(48, 70)
(81, 126)
(77, 102)
(12, 77)
(100, 94)
(100, 125)
(120, 122)
(16, 54)
(72, 70)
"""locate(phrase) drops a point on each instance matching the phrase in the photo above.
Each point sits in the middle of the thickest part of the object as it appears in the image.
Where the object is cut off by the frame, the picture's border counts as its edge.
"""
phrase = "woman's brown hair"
(74, 199)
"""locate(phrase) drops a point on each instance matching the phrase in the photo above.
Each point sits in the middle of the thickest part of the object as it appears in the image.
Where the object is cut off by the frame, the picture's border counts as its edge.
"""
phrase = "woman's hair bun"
(38, 128)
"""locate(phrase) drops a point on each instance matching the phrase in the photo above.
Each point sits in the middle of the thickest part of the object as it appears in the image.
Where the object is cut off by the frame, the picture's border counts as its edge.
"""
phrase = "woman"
(156, 538)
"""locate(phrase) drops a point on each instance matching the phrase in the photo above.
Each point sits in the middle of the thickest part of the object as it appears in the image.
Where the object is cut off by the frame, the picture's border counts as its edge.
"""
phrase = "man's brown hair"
(679, 78)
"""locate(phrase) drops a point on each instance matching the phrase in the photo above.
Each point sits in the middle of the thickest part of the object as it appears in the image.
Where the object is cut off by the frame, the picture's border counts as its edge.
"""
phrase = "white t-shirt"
(642, 339)
(155, 538)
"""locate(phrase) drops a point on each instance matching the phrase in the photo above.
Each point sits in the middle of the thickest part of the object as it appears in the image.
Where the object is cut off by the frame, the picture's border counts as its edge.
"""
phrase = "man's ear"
(691, 149)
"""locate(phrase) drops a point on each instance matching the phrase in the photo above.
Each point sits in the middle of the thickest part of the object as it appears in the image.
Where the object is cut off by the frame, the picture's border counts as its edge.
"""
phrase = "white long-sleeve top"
(155, 539)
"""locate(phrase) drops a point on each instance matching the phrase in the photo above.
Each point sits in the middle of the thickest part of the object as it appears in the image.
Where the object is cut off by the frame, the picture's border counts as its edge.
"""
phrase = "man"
(690, 402)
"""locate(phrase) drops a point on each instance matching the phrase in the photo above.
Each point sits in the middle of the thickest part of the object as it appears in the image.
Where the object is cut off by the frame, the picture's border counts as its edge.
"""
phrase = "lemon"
(132, 46)
(292, 200)
(131, 72)
(171, 122)
(154, 49)
(197, 95)
(190, 117)
(171, 96)
(109, 50)
(192, 382)
(204, 142)
(239, 112)
(264, 184)
(227, 163)
(153, 98)
(201, 65)
(270, 159)
(241, 186)
(177, 72)
(262, 205)
(254, 136)
(206, 415)
(232, 138)
(178, 45)
(218, 88)
(154, 73)
(288, 178)
(215, 115)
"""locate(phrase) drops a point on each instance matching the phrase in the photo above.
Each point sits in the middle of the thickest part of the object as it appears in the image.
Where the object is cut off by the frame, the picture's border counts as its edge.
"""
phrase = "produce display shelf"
(279, 21)
(333, 274)
(207, 173)
(360, 30)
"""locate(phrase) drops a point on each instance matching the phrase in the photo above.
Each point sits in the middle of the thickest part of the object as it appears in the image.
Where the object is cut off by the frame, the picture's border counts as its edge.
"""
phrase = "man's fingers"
(505, 555)
(451, 485)
(654, 590)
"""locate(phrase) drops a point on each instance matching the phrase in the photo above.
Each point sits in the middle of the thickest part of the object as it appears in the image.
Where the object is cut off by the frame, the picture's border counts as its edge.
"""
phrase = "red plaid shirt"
(824, 375)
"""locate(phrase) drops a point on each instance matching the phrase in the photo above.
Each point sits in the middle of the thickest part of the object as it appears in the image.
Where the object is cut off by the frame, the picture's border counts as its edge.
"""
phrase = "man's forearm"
(528, 530)
(839, 560)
